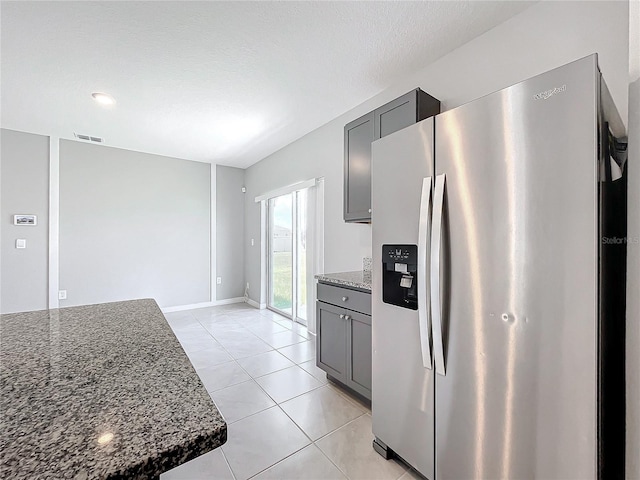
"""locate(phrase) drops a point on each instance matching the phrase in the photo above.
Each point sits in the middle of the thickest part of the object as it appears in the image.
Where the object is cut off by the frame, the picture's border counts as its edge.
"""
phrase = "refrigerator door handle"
(423, 298)
(436, 246)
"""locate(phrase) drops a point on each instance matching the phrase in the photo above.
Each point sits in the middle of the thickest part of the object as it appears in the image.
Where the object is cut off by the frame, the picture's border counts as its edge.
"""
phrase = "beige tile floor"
(285, 420)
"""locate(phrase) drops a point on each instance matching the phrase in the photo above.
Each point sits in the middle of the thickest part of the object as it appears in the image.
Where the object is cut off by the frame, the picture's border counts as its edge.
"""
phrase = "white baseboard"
(180, 308)
(255, 304)
(228, 301)
(193, 306)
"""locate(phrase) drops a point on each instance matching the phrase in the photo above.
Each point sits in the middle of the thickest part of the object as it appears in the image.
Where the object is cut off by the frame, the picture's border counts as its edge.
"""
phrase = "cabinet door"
(358, 136)
(331, 340)
(359, 349)
(395, 115)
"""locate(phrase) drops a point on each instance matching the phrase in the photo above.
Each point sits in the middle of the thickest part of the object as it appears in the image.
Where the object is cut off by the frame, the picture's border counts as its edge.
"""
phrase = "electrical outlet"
(219, 280)
(252, 242)
(62, 294)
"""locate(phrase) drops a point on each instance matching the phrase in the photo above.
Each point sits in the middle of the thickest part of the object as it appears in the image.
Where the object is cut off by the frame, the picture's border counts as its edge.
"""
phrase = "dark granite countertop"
(99, 391)
(360, 279)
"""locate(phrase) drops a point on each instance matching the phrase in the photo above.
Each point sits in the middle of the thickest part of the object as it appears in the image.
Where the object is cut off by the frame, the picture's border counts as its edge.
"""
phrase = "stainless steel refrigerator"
(498, 284)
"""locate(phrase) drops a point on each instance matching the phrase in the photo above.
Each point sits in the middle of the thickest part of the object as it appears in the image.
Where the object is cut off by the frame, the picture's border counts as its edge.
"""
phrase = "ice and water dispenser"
(399, 275)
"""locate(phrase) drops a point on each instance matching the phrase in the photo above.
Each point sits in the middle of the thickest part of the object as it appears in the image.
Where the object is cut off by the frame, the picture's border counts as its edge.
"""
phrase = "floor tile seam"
(283, 346)
(208, 331)
(304, 393)
(226, 461)
(233, 360)
(256, 413)
(184, 326)
(278, 370)
(211, 366)
(236, 359)
(248, 331)
(279, 461)
(338, 428)
(201, 348)
(319, 379)
(241, 383)
(294, 361)
(331, 461)
(296, 423)
(258, 384)
(348, 397)
(326, 434)
(343, 426)
(275, 404)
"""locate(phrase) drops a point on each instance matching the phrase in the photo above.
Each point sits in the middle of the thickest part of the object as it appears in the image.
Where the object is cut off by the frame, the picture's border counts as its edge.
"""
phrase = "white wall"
(545, 36)
(229, 232)
(133, 225)
(24, 163)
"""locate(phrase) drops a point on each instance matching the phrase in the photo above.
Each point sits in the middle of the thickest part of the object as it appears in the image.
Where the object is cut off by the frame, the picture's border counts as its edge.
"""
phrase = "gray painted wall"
(542, 37)
(133, 225)
(24, 177)
(633, 287)
(229, 232)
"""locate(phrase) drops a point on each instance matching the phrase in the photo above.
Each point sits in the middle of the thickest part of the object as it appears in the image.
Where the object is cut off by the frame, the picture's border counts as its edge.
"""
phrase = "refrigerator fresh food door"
(402, 388)
(516, 386)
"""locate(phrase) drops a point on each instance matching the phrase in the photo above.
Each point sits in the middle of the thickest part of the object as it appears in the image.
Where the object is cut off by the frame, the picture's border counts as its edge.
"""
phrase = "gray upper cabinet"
(406, 110)
(358, 136)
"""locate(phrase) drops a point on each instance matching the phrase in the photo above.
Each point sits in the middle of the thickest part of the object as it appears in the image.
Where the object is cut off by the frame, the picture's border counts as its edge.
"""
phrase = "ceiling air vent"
(88, 138)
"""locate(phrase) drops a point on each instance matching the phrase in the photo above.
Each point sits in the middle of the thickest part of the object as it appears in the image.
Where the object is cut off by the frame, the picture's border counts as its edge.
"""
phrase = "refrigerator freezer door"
(520, 281)
(402, 388)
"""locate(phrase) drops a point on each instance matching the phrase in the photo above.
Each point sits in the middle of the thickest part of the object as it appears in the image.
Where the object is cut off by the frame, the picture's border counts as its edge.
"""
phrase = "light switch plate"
(21, 243)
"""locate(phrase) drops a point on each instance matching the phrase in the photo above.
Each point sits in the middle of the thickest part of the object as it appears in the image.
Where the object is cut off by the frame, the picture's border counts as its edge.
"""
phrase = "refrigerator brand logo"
(549, 93)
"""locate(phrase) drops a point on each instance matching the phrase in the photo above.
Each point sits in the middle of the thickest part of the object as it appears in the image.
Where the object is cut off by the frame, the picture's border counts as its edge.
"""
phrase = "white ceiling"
(222, 82)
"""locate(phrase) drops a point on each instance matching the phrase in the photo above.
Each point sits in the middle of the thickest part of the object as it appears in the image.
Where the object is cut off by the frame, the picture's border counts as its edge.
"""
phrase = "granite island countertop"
(360, 279)
(99, 391)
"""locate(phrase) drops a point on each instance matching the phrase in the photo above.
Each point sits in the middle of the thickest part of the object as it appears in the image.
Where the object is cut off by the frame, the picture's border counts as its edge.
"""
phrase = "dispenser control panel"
(398, 253)
(399, 275)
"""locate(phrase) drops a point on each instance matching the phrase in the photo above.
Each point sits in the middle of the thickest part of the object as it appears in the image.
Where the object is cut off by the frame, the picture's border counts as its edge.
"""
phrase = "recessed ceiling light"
(103, 98)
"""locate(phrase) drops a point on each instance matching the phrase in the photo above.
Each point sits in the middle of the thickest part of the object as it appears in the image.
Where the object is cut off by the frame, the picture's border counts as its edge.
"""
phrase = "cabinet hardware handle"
(342, 315)
(344, 299)
(347, 317)
(369, 210)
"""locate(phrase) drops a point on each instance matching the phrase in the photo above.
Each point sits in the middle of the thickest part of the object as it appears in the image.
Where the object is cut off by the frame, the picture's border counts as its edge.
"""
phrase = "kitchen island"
(99, 391)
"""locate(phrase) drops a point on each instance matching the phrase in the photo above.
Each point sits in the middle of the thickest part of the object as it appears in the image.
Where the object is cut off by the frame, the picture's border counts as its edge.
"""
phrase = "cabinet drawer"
(343, 297)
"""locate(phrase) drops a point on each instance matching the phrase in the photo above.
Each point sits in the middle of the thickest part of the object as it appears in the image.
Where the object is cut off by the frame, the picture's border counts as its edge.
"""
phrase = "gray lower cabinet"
(331, 344)
(359, 347)
(405, 110)
(343, 340)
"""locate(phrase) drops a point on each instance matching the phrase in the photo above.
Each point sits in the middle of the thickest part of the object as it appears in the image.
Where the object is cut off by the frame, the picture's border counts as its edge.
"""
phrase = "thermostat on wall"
(25, 220)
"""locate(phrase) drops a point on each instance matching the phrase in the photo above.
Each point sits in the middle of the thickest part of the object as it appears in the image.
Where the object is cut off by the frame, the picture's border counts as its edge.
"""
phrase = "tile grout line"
(363, 409)
(278, 404)
(226, 461)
